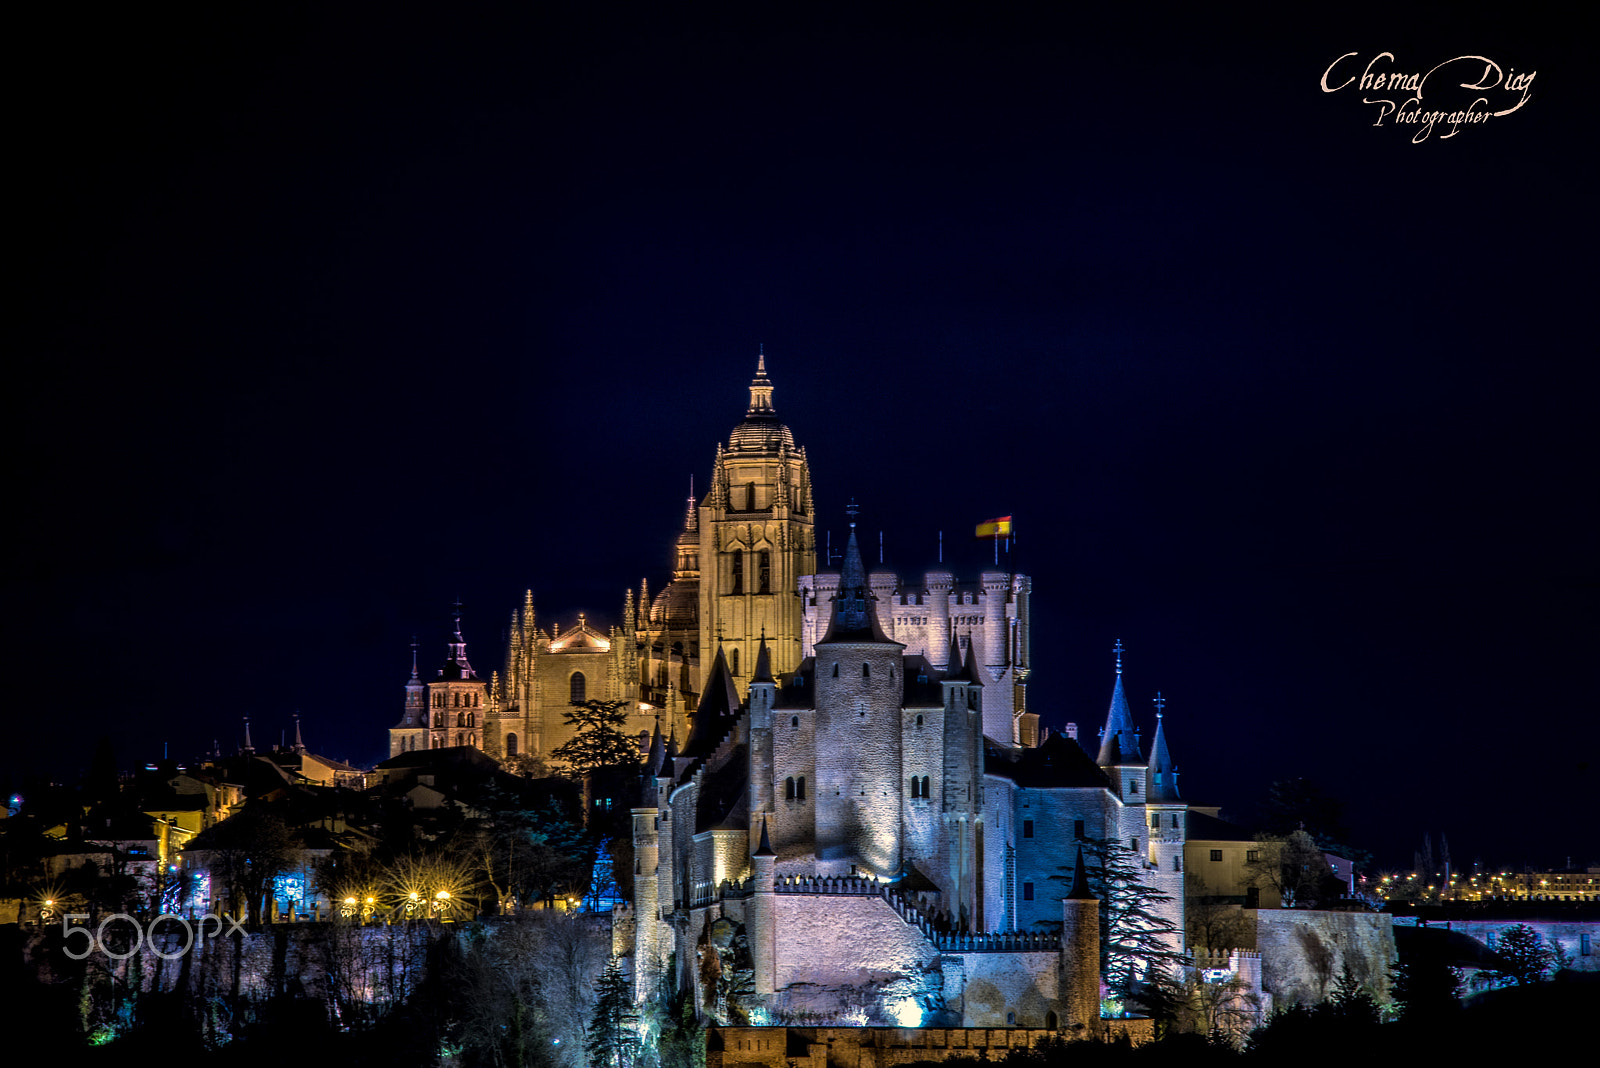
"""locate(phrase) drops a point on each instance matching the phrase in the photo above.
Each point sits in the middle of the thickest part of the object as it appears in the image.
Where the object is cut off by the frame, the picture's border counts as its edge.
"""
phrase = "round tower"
(859, 692)
(1079, 977)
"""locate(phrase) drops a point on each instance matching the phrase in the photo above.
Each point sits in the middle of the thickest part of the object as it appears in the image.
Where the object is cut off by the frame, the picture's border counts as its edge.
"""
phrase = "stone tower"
(756, 538)
(858, 741)
(457, 698)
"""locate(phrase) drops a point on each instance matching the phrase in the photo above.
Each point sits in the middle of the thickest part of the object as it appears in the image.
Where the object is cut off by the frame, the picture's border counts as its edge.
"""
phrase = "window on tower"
(1177, 863)
(1027, 891)
(1027, 828)
(738, 571)
(766, 572)
(511, 745)
(924, 786)
(733, 662)
(749, 496)
(1155, 821)
(788, 788)
(800, 788)
(579, 689)
(1077, 829)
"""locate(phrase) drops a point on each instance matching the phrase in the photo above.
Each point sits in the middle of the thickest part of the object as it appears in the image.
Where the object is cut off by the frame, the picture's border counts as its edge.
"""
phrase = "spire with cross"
(1117, 648)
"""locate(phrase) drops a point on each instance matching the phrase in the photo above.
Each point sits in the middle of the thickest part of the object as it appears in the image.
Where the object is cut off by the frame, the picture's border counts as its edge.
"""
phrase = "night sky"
(324, 318)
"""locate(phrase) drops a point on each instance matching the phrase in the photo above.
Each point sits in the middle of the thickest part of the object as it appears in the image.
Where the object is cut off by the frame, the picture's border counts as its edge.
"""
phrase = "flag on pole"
(995, 528)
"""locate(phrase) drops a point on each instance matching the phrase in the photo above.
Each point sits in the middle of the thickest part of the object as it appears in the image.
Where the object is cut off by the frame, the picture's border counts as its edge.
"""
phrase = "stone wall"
(1304, 952)
(881, 1047)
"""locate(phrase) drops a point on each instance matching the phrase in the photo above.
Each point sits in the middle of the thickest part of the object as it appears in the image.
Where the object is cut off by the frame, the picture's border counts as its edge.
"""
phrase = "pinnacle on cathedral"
(1119, 741)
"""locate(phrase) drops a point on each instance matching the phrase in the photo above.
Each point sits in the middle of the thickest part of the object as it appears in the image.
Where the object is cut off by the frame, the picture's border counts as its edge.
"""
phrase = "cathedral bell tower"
(756, 539)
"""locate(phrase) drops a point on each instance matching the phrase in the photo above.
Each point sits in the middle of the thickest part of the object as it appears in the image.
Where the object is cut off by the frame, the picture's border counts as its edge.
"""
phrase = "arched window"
(916, 786)
(866, 671)
(1177, 863)
(472, 719)
(733, 661)
(765, 574)
(477, 700)
(579, 689)
(836, 671)
(461, 739)
(644, 742)
(1051, 1021)
(749, 496)
(738, 571)
(800, 788)
(794, 721)
(511, 745)
(788, 788)
(461, 719)
(919, 721)
(924, 786)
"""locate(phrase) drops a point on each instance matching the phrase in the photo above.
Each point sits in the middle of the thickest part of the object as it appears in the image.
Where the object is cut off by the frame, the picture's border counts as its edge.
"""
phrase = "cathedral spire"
(761, 388)
(1163, 774)
(1119, 742)
(248, 748)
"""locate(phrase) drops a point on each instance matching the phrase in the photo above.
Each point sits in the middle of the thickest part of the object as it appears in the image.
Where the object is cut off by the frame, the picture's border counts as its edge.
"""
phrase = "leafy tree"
(1524, 957)
(612, 1042)
(601, 739)
(1135, 938)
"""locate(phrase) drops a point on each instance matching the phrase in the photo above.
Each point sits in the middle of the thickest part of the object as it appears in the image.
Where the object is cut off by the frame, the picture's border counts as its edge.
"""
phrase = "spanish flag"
(995, 528)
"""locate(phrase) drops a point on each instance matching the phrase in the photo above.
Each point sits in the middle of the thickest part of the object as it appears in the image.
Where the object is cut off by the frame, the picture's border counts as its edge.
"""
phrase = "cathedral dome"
(760, 433)
(676, 606)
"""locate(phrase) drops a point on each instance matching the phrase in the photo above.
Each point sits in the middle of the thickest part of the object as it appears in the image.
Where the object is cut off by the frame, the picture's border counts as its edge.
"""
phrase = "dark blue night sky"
(330, 317)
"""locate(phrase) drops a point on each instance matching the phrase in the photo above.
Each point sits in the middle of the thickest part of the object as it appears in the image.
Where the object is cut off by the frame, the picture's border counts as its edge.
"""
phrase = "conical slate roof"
(1163, 774)
(718, 710)
(1119, 742)
(854, 618)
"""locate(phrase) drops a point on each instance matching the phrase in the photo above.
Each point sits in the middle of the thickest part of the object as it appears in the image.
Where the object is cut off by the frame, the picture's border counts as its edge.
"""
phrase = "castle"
(846, 797)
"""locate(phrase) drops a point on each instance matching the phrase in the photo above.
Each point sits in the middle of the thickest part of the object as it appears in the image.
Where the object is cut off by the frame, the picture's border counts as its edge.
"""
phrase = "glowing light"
(906, 1013)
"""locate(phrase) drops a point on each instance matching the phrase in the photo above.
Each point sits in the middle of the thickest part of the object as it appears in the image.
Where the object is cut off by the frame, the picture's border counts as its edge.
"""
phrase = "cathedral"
(846, 797)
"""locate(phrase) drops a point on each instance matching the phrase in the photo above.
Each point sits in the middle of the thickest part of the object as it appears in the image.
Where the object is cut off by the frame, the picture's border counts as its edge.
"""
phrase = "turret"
(763, 934)
(1080, 956)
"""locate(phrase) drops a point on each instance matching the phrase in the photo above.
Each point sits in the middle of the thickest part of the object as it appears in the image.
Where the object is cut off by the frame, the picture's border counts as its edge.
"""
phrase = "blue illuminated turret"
(1119, 740)
(1163, 773)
